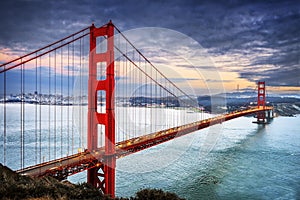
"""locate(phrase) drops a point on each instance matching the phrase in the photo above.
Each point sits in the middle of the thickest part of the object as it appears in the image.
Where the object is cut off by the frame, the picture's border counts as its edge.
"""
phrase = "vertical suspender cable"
(136, 108)
(126, 92)
(171, 107)
(156, 94)
(40, 109)
(117, 111)
(131, 127)
(151, 97)
(174, 101)
(139, 93)
(127, 97)
(131, 110)
(21, 117)
(49, 106)
(145, 95)
(23, 139)
(61, 103)
(117, 66)
(124, 108)
(160, 96)
(21, 105)
(73, 96)
(120, 113)
(83, 130)
(4, 117)
(82, 100)
(80, 96)
(136, 94)
(155, 102)
(138, 113)
(36, 110)
(167, 107)
(68, 106)
(55, 104)
(133, 94)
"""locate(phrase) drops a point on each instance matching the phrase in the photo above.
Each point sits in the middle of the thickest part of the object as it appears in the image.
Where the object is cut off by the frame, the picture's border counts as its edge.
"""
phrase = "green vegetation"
(150, 194)
(15, 186)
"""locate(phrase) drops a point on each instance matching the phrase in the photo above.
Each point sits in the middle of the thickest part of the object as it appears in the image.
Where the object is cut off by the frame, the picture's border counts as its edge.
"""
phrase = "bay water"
(237, 159)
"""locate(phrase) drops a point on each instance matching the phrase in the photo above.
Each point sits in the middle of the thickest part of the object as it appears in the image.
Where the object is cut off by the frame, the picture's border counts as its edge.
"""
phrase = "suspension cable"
(43, 48)
(153, 65)
(58, 47)
(151, 78)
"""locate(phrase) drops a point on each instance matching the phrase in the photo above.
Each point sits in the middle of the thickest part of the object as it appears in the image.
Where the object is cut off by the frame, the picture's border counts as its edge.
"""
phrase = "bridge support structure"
(261, 102)
(103, 175)
(262, 116)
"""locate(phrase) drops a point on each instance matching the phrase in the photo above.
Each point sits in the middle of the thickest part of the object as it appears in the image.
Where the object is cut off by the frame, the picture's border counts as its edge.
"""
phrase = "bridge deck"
(63, 167)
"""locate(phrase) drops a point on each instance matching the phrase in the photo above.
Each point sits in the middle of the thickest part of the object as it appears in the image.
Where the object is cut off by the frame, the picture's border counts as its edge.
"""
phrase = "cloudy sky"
(246, 40)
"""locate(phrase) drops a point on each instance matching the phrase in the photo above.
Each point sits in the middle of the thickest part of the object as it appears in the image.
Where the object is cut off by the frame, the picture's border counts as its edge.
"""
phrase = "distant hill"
(244, 98)
(284, 105)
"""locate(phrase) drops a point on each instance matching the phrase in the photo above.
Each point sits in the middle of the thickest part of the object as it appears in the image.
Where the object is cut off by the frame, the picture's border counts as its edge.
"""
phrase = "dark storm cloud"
(30, 24)
(266, 31)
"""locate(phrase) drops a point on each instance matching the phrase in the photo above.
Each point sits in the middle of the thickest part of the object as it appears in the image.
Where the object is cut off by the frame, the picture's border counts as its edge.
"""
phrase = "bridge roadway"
(66, 166)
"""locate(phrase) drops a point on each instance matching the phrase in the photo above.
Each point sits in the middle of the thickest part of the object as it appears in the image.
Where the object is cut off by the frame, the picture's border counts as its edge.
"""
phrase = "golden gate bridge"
(50, 124)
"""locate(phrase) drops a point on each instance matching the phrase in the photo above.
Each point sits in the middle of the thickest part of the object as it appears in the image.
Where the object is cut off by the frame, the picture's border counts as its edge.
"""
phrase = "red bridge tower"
(261, 102)
(103, 176)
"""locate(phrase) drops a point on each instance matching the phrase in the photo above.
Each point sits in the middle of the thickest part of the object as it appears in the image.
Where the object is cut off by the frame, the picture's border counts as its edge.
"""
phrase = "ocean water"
(31, 134)
(233, 160)
(241, 160)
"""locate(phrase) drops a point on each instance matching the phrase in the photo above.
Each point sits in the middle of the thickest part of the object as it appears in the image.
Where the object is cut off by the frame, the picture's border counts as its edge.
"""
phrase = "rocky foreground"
(15, 186)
